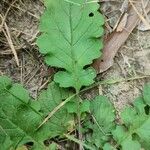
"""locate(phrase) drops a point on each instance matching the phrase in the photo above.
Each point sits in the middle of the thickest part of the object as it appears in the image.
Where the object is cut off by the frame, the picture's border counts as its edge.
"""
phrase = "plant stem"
(78, 141)
(79, 123)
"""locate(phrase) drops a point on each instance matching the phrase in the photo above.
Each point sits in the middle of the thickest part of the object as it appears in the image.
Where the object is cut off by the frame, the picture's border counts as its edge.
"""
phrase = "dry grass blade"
(21, 9)
(140, 16)
(145, 11)
(4, 18)
(55, 110)
(8, 37)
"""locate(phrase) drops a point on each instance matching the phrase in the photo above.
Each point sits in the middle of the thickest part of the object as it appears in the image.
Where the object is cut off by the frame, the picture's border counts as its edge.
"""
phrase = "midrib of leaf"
(74, 61)
(59, 47)
(75, 69)
(23, 102)
(99, 126)
(71, 48)
(17, 125)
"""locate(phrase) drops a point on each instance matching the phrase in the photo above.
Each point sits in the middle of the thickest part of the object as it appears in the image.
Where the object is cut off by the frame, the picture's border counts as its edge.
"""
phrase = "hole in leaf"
(29, 144)
(119, 148)
(91, 14)
(135, 136)
(147, 109)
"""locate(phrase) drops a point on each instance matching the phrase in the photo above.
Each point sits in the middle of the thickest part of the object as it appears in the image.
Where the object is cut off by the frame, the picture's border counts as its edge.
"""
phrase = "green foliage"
(70, 40)
(108, 146)
(5, 142)
(20, 116)
(73, 107)
(103, 114)
(134, 133)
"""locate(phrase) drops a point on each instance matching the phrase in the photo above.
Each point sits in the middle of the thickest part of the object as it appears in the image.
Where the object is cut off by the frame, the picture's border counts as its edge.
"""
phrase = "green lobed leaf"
(124, 139)
(20, 116)
(70, 40)
(135, 131)
(17, 118)
(103, 117)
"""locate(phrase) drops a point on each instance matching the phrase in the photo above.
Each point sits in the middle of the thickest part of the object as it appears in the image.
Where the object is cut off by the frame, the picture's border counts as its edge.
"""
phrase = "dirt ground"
(22, 19)
(132, 59)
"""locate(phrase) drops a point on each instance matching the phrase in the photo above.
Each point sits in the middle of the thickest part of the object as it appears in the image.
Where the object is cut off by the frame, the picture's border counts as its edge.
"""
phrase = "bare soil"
(133, 59)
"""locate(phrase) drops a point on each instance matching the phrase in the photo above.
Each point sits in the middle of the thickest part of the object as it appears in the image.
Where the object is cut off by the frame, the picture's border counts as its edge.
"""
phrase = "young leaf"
(125, 140)
(20, 116)
(70, 40)
(135, 131)
(103, 116)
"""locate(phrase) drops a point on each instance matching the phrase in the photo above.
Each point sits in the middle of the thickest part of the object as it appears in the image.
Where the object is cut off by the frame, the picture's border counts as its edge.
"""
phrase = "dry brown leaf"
(116, 39)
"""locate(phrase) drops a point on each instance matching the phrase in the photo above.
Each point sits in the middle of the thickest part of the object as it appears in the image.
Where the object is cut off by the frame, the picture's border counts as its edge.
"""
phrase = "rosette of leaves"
(71, 40)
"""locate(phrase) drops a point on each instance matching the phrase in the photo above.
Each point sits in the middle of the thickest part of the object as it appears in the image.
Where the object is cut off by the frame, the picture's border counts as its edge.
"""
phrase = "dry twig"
(8, 37)
(140, 15)
(5, 16)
